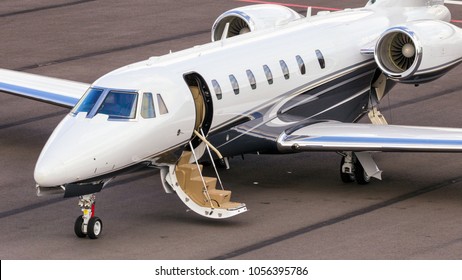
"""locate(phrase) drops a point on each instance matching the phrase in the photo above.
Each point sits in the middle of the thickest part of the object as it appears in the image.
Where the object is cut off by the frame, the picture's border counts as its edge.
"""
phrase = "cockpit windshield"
(114, 103)
(88, 101)
(119, 104)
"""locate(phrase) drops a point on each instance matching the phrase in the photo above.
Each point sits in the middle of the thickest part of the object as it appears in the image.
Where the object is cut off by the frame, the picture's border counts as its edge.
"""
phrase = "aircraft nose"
(58, 165)
(81, 149)
(51, 173)
(46, 174)
(65, 158)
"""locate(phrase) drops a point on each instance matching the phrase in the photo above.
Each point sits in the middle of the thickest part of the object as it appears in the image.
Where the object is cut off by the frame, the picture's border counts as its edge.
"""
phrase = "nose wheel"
(88, 224)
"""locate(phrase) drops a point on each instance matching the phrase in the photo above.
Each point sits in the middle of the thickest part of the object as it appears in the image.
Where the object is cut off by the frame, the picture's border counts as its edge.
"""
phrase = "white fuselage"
(82, 148)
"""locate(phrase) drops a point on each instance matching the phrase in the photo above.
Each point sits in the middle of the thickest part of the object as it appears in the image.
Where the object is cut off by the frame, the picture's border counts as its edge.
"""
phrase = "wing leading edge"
(356, 137)
(50, 90)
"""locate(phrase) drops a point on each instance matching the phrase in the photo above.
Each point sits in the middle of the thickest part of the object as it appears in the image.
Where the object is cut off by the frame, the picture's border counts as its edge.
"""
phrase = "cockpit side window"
(119, 105)
(88, 101)
(162, 107)
(147, 106)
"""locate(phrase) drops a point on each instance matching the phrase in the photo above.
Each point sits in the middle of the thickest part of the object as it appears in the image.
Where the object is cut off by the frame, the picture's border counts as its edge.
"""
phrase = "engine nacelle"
(251, 18)
(419, 51)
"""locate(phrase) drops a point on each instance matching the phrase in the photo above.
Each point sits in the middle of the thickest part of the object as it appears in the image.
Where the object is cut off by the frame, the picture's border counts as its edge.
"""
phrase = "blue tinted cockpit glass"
(88, 101)
(118, 104)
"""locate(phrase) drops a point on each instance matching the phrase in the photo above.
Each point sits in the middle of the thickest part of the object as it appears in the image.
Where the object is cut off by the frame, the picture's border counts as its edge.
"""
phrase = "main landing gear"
(352, 170)
(88, 224)
(360, 166)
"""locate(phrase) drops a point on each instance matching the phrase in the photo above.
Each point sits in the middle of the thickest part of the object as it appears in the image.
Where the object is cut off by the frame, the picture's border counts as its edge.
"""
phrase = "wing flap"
(334, 136)
(45, 89)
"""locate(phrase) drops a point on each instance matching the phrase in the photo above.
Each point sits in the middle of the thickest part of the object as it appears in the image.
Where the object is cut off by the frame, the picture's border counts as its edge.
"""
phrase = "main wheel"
(360, 174)
(346, 177)
(78, 227)
(95, 227)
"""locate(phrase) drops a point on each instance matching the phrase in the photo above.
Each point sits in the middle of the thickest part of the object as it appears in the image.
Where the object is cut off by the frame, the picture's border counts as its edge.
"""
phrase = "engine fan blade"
(236, 26)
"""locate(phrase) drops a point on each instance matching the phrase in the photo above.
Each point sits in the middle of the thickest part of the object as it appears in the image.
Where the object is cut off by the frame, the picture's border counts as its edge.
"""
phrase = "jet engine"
(419, 52)
(251, 18)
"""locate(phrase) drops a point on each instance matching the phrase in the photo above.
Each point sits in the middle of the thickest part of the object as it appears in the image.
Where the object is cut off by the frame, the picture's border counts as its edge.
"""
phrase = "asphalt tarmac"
(299, 208)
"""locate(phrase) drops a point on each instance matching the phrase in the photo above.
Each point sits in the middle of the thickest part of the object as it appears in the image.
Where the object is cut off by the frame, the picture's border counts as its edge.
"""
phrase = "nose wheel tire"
(78, 228)
(95, 227)
(88, 224)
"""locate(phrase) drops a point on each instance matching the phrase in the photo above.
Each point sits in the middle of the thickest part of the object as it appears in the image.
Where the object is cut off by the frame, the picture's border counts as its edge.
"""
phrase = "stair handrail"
(207, 143)
(206, 191)
(211, 158)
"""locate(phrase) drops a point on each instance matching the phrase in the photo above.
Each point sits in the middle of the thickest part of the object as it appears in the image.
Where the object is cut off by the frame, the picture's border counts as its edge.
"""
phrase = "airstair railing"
(206, 191)
(208, 145)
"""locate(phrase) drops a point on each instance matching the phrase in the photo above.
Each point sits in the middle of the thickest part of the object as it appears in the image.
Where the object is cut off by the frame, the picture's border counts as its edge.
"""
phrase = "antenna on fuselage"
(309, 12)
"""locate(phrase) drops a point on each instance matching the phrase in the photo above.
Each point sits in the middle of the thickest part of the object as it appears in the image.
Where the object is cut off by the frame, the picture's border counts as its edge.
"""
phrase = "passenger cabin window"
(119, 105)
(322, 62)
(147, 106)
(301, 64)
(234, 84)
(285, 69)
(268, 74)
(217, 88)
(88, 101)
(252, 81)
(162, 107)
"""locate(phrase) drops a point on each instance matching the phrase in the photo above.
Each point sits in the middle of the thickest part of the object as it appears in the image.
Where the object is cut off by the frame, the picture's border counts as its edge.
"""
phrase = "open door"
(185, 178)
(202, 102)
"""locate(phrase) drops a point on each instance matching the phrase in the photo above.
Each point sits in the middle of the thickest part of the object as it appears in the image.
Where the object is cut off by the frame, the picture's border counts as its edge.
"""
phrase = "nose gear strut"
(88, 224)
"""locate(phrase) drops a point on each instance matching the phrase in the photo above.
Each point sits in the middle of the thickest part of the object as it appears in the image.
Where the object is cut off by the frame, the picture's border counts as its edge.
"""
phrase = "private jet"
(271, 81)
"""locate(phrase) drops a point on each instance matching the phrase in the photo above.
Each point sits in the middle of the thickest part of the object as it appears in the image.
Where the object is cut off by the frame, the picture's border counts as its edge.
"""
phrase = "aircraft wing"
(60, 92)
(356, 137)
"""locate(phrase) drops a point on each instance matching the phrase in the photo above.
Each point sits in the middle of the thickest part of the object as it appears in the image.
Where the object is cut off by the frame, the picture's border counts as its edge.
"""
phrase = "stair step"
(232, 205)
(185, 158)
(190, 169)
(219, 197)
(188, 176)
(196, 182)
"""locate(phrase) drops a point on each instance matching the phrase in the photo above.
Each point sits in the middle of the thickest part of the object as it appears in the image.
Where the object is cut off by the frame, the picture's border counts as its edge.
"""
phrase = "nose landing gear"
(88, 224)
